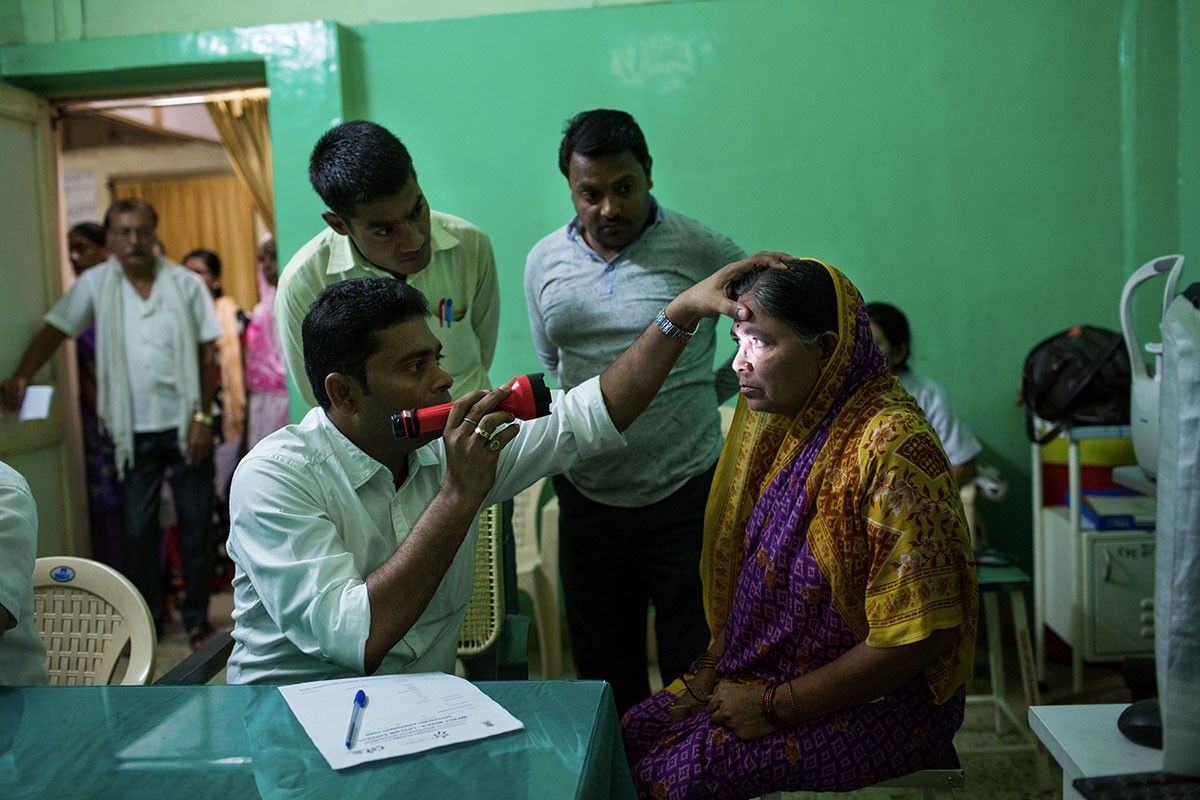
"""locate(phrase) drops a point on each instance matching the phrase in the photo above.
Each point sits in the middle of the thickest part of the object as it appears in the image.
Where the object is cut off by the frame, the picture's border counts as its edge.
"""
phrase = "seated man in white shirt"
(354, 548)
(22, 655)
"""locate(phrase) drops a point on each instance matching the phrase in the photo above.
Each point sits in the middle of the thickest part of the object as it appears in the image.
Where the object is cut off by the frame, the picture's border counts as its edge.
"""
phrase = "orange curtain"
(246, 134)
(215, 212)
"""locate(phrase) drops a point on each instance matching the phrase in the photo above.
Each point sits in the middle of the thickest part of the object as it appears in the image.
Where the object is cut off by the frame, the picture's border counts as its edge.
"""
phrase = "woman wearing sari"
(266, 382)
(839, 586)
(87, 246)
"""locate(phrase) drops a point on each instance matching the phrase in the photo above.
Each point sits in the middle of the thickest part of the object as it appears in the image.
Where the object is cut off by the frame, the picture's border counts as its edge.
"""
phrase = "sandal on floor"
(200, 634)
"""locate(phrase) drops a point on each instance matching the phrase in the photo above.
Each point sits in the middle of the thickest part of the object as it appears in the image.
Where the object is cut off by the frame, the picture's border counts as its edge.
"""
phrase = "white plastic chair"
(86, 612)
(537, 570)
(726, 413)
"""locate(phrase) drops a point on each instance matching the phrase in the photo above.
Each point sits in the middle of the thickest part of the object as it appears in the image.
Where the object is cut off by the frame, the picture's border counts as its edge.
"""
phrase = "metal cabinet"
(1088, 586)
(1117, 582)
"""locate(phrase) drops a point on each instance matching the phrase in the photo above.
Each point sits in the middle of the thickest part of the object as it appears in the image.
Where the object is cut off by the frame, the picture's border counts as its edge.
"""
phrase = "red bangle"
(768, 707)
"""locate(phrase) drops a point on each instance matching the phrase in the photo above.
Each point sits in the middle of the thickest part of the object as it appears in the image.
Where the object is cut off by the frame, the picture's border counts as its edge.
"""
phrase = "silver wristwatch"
(671, 329)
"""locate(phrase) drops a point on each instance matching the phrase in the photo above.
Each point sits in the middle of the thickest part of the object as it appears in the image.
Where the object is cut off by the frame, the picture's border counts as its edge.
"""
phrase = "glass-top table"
(227, 742)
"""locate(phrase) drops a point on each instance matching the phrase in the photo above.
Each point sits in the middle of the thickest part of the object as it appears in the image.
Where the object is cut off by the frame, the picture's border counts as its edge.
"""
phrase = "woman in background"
(890, 329)
(229, 404)
(838, 580)
(87, 246)
(266, 380)
(231, 381)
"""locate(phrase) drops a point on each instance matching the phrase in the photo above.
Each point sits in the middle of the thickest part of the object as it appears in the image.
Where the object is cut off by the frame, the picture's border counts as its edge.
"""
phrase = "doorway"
(167, 150)
(302, 65)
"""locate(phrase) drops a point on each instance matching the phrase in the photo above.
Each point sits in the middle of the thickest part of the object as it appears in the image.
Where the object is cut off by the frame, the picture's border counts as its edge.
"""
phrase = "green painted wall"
(32, 21)
(996, 170)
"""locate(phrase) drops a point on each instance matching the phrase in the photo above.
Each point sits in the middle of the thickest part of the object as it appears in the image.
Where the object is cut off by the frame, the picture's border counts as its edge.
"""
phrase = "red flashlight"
(529, 399)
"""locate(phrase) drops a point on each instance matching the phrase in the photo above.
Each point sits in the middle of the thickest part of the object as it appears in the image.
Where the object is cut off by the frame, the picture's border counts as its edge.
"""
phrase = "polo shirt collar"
(344, 256)
(575, 231)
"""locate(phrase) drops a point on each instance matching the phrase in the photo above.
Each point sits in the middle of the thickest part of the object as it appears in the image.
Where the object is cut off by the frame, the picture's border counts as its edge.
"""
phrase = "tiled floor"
(173, 645)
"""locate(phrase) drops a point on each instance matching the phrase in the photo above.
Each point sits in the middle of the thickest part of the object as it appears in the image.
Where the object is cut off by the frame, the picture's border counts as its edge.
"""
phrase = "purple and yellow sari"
(840, 526)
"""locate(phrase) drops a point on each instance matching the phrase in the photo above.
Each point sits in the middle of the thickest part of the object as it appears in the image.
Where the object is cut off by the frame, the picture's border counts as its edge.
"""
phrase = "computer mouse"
(1142, 724)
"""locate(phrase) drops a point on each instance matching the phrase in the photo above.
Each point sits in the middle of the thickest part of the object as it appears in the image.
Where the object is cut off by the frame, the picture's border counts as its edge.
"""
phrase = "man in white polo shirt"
(380, 225)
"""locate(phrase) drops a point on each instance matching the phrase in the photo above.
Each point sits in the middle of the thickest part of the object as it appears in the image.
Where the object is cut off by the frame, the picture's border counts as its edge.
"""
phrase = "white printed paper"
(403, 714)
(37, 403)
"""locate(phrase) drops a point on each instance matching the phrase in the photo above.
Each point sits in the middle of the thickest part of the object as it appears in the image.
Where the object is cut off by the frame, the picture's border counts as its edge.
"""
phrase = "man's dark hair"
(802, 296)
(339, 330)
(602, 132)
(92, 231)
(894, 325)
(211, 260)
(358, 162)
(129, 204)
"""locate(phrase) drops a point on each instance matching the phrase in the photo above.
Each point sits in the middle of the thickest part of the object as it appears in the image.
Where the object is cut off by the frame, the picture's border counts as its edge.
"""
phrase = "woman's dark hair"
(211, 261)
(92, 231)
(802, 296)
(339, 331)
(358, 162)
(894, 325)
(602, 132)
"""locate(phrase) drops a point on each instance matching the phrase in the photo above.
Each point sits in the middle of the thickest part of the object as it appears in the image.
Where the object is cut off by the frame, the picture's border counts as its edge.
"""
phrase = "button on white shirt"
(312, 516)
(150, 353)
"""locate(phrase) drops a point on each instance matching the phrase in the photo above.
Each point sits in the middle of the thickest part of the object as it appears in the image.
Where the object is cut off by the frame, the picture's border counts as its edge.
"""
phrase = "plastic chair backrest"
(86, 613)
(968, 494)
(526, 508)
(485, 611)
(726, 418)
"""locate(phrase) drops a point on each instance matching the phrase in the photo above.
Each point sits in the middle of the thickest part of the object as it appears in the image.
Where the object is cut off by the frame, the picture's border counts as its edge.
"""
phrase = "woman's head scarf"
(892, 543)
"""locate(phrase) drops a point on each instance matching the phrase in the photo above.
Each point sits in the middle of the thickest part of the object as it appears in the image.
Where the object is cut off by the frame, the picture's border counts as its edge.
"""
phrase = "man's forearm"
(43, 345)
(208, 375)
(631, 382)
(45, 342)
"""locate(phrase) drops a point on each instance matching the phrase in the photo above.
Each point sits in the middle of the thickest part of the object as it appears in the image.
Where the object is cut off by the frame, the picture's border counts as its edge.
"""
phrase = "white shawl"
(114, 397)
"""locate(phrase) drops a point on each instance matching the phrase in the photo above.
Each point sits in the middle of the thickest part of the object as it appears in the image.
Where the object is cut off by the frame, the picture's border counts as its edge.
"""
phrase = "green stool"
(993, 582)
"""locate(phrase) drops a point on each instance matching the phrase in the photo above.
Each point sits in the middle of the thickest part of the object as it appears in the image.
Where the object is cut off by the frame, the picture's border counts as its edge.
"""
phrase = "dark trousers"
(157, 456)
(614, 562)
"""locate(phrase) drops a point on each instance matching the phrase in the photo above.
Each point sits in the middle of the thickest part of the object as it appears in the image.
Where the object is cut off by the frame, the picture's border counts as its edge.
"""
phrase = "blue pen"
(360, 700)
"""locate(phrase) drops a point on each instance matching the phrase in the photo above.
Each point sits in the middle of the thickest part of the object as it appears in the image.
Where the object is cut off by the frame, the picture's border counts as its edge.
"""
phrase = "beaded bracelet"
(792, 700)
(768, 707)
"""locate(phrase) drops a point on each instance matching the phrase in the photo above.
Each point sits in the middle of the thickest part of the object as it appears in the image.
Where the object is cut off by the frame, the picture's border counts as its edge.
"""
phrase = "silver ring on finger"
(486, 436)
(474, 423)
